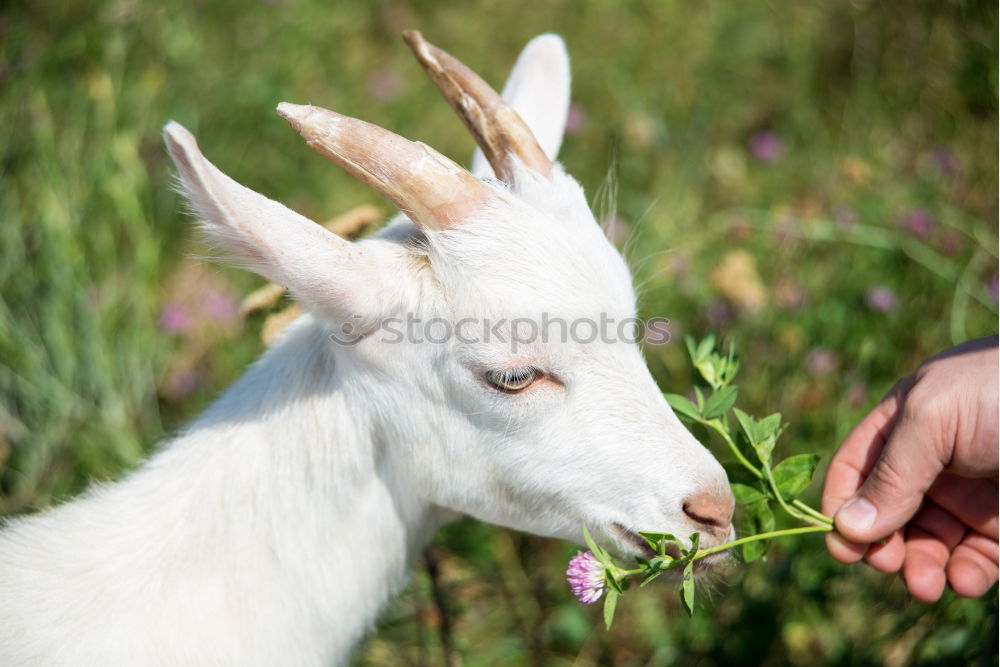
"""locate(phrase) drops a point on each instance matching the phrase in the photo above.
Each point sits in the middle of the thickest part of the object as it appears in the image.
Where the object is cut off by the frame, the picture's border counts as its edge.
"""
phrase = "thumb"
(894, 490)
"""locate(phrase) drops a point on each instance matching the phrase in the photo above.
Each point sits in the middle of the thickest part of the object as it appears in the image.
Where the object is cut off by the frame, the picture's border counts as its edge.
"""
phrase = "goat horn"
(496, 127)
(431, 189)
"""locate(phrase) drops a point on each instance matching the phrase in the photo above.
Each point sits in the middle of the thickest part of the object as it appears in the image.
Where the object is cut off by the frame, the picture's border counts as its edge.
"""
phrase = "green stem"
(762, 536)
(781, 501)
(716, 426)
(621, 574)
(819, 516)
(806, 514)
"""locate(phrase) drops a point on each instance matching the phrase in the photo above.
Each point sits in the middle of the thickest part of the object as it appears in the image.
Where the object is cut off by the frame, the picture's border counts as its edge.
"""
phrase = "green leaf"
(747, 423)
(705, 348)
(761, 434)
(769, 427)
(753, 550)
(700, 397)
(707, 370)
(656, 537)
(764, 449)
(600, 553)
(664, 562)
(682, 406)
(695, 537)
(732, 367)
(610, 602)
(652, 539)
(720, 402)
(687, 587)
(692, 347)
(590, 541)
(658, 541)
(794, 474)
(765, 518)
(757, 518)
(732, 361)
(649, 577)
(746, 494)
(613, 584)
(738, 474)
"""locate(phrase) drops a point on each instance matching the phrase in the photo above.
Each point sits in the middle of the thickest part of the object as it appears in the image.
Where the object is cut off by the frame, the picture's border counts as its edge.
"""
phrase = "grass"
(818, 180)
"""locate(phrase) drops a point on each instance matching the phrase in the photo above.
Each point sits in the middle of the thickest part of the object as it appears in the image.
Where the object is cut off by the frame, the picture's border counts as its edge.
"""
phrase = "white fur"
(271, 530)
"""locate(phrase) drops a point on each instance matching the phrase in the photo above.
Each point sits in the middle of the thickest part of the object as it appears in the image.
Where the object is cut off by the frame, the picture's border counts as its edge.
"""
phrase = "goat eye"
(512, 380)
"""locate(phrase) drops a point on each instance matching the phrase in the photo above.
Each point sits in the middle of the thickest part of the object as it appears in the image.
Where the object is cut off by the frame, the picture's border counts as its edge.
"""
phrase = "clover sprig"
(595, 572)
(781, 483)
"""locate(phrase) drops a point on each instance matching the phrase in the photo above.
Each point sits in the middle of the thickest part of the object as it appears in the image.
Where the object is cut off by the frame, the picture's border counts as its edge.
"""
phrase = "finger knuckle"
(888, 478)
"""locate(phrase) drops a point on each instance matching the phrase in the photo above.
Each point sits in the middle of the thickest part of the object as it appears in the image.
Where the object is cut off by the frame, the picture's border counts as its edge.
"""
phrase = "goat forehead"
(532, 287)
(521, 258)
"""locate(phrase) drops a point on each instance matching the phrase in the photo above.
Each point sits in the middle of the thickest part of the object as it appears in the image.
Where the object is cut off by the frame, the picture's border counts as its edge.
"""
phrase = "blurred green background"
(816, 179)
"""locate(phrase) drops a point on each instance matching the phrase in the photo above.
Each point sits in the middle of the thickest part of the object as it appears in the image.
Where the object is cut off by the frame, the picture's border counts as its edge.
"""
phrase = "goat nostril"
(707, 520)
(710, 509)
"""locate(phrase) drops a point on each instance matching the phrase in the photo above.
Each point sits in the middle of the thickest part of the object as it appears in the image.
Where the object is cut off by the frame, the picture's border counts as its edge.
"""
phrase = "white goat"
(271, 530)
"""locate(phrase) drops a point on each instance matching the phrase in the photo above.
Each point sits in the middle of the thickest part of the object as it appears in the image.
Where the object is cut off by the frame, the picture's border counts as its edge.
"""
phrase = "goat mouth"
(711, 561)
(639, 542)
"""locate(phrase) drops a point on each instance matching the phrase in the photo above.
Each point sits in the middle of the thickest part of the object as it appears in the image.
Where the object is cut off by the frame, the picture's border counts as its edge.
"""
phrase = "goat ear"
(538, 89)
(319, 268)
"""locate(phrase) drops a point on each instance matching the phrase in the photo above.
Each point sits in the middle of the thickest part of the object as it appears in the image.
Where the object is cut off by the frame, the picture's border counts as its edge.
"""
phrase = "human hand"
(914, 485)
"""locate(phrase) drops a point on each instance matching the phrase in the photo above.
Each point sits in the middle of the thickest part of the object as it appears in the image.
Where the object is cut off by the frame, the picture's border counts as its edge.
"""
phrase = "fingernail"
(857, 514)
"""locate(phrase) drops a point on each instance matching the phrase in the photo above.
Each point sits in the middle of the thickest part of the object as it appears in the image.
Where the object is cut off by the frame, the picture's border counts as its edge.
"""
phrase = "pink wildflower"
(219, 307)
(944, 159)
(586, 577)
(174, 318)
(767, 146)
(882, 299)
(718, 314)
(822, 361)
(919, 222)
